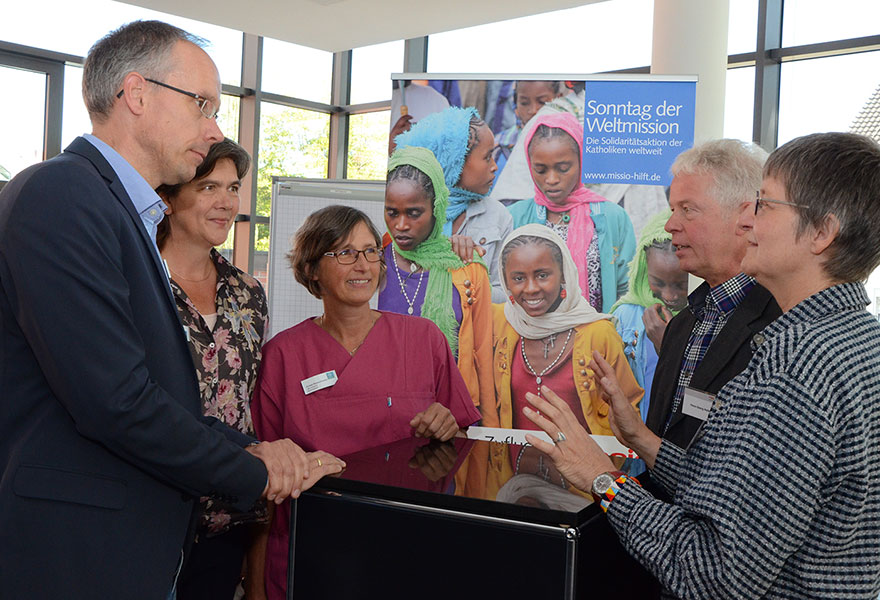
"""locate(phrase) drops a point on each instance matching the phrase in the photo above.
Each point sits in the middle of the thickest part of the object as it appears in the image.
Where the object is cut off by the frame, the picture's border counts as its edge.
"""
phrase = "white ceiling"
(335, 25)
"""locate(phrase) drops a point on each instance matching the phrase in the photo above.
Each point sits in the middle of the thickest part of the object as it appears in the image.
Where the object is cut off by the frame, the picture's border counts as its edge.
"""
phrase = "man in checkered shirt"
(708, 343)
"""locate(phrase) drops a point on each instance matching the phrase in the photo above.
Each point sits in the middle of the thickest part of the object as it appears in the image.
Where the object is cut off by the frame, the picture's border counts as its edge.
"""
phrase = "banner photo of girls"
(508, 105)
(511, 152)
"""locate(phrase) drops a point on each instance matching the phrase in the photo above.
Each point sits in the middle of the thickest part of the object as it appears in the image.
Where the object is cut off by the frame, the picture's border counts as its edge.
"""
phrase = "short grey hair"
(835, 174)
(142, 46)
(735, 167)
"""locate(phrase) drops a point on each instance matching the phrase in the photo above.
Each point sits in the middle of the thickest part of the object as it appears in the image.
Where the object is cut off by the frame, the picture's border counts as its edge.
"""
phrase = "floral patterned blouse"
(226, 360)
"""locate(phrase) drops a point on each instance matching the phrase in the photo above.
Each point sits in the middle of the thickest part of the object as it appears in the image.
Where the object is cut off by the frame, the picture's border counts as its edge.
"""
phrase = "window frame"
(767, 59)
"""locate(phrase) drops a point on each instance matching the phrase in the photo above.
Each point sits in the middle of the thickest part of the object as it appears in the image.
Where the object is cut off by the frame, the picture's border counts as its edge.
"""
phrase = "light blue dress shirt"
(146, 201)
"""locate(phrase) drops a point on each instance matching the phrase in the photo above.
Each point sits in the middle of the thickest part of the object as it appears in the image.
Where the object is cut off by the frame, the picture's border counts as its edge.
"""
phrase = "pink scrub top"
(403, 366)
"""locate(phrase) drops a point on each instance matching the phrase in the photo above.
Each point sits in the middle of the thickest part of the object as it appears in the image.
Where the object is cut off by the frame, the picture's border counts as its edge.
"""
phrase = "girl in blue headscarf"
(463, 145)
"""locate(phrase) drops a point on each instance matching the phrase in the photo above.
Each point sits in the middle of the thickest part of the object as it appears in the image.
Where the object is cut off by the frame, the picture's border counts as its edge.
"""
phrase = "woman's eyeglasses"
(761, 202)
(349, 256)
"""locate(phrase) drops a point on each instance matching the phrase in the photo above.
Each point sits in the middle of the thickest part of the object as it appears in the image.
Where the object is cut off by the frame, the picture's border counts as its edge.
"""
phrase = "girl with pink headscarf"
(599, 234)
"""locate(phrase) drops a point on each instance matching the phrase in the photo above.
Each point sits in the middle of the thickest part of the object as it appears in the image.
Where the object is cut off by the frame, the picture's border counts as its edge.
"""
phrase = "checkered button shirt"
(711, 312)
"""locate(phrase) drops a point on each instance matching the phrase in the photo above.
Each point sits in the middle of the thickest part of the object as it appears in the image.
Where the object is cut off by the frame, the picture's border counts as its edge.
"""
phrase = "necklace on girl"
(413, 267)
(529, 368)
(549, 342)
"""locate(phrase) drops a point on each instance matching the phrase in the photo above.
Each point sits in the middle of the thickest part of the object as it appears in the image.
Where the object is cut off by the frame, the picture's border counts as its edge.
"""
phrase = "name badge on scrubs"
(697, 404)
(319, 382)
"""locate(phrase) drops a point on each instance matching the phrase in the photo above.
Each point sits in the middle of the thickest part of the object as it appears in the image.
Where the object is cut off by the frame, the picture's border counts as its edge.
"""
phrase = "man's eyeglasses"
(761, 202)
(206, 107)
(350, 256)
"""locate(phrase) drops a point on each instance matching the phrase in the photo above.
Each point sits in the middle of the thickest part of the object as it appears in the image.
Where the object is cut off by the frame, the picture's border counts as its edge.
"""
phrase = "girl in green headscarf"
(657, 291)
(426, 278)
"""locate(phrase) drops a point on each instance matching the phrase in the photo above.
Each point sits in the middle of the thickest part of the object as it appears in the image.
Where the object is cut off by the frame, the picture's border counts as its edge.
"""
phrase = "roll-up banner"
(634, 126)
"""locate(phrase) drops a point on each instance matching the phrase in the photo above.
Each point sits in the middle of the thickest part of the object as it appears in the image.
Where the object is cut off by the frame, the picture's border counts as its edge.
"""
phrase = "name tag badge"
(319, 382)
(697, 404)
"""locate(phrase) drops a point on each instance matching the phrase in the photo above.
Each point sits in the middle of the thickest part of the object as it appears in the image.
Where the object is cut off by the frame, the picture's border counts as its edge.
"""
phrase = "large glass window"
(739, 103)
(825, 94)
(24, 108)
(371, 69)
(72, 28)
(297, 71)
(817, 94)
(293, 143)
(368, 145)
(604, 36)
(812, 21)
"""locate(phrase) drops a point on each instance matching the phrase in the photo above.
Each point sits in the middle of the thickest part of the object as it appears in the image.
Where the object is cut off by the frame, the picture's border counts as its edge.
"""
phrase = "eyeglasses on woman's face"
(349, 256)
(762, 202)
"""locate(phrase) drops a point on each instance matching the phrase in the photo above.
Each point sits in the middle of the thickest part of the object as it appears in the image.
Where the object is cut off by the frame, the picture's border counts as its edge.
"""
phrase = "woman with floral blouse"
(224, 313)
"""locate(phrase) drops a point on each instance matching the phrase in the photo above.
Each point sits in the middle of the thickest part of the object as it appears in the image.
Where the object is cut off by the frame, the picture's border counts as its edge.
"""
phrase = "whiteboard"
(294, 199)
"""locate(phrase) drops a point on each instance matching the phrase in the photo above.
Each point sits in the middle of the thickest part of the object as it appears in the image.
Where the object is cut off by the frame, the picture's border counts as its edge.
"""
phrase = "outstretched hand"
(624, 420)
(574, 452)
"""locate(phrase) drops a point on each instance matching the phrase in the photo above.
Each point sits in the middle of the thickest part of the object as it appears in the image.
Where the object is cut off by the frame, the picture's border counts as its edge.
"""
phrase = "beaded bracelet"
(608, 495)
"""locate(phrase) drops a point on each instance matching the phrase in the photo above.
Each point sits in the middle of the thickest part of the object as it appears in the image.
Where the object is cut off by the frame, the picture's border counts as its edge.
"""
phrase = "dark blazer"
(727, 356)
(102, 444)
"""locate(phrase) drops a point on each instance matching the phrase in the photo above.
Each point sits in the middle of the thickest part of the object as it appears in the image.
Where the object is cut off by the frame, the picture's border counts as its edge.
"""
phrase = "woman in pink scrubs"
(351, 378)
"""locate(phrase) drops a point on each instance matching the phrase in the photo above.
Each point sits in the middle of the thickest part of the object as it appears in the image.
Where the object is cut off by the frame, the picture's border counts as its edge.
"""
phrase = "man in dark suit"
(708, 343)
(102, 446)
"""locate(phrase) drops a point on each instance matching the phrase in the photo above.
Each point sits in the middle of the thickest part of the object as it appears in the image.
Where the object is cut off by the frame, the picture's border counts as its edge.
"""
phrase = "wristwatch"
(606, 485)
